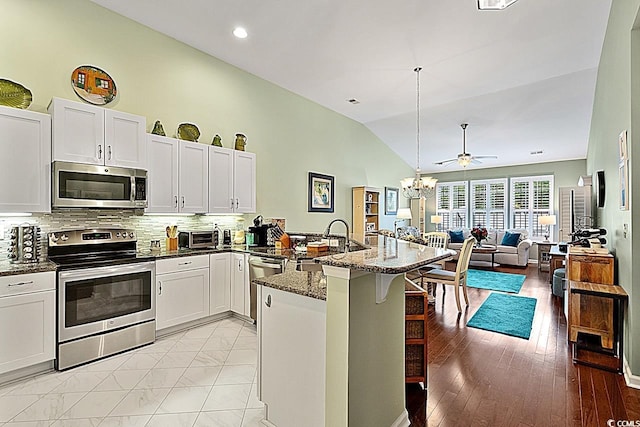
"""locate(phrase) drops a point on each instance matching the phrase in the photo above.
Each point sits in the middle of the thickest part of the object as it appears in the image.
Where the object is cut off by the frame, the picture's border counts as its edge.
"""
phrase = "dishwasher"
(262, 266)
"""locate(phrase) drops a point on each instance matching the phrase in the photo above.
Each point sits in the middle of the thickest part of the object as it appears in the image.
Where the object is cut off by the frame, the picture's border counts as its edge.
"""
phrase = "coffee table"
(484, 249)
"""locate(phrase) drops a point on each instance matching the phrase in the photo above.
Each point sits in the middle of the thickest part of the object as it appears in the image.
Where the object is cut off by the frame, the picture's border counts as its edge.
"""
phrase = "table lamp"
(403, 213)
(437, 220)
(547, 220)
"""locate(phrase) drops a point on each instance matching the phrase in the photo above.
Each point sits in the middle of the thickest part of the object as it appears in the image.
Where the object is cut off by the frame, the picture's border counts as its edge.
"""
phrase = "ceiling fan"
(464, 158)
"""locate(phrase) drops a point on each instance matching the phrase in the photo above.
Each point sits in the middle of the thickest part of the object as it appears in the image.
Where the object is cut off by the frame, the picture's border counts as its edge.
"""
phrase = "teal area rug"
(505, 314)
(494, 281)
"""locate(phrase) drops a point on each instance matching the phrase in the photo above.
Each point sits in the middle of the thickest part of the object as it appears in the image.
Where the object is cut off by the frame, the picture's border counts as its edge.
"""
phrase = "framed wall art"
(390, 201)
(321, 192)
(624, 185)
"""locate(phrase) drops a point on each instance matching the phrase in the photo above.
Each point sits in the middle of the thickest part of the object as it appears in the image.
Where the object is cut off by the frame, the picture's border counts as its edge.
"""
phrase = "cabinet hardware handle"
(185, 263)
(160, 288)
(231, 203)
(183, 201)
(99, 151)
(268, 301)
(30, 282)
(237, 203)
(109, 151)
(176, 197)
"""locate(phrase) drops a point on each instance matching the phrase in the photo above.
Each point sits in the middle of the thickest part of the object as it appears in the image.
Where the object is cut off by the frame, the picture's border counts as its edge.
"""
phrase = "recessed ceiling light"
(494, 4)
(353, 101)
(240, 32)
(536, 153)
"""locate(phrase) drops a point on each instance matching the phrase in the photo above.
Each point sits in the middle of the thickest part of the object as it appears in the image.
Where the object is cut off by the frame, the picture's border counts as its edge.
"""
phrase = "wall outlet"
(334, 243)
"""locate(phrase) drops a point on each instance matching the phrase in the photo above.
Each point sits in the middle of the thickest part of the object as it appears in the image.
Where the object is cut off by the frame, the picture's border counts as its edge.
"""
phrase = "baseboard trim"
(632, 381)
(402, 420)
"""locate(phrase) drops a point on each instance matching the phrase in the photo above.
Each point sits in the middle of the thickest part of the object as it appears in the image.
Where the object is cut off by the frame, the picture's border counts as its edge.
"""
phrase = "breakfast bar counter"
(349, 344)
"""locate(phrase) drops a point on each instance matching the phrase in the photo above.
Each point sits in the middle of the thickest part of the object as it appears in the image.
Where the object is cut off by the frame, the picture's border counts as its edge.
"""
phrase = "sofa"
(509, 255)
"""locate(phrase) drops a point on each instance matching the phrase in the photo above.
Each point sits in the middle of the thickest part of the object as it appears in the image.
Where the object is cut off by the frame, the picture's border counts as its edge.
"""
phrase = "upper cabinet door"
(162, 163)
(221, 199)
(124, 139)
(244, 182)
(25, 161)
(193, 182)
(78, 132)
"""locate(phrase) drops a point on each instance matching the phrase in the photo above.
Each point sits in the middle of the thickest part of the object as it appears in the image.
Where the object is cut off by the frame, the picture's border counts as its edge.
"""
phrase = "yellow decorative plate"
(15, 95)
(188, 132)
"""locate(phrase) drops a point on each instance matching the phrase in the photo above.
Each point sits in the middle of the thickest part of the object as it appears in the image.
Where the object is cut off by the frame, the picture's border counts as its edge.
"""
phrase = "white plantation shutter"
(531, 197)
(451, 204)
(488, 203)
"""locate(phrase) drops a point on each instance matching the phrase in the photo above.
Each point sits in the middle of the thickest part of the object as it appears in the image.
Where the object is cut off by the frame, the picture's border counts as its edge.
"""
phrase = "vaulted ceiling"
(523, 78)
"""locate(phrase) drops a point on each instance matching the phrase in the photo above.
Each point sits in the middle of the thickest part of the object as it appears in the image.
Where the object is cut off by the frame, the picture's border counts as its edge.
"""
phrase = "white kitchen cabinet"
(86, 133)
(27, 320)
(219, 283)
(162, 174)
(295, 323)
(182, 290)
(232, 181)
(240, 300)
(193, 182)
(25, 161)
(178, 176)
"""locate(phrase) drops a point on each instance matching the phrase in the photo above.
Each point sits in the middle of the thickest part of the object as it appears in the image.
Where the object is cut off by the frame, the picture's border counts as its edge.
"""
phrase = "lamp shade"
(404, 213)
(436, 219)
(547, 220)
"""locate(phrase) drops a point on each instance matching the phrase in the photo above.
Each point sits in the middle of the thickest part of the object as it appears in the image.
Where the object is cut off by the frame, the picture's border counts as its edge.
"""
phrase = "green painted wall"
(163, 79)
(617, 108)
(565, 174)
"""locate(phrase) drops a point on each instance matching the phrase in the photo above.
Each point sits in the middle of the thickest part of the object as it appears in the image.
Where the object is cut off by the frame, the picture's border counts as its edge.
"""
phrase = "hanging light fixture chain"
(417, 70)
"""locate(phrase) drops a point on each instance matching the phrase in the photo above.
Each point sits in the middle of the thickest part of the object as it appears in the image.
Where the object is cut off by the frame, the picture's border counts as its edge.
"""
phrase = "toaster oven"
(196, 239)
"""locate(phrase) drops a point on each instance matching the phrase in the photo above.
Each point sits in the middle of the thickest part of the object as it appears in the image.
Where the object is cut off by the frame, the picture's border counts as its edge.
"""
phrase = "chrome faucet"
(346, 242)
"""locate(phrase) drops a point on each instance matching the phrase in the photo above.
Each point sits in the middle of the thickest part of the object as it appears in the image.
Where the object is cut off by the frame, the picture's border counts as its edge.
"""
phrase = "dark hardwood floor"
(482, 378)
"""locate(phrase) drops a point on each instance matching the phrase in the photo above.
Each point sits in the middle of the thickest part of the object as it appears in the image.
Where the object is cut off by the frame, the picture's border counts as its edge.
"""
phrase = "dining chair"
(457, 278)
(434, 239)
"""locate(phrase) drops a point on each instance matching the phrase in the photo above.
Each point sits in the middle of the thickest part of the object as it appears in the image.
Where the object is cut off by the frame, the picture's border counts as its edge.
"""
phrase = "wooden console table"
(597, 310)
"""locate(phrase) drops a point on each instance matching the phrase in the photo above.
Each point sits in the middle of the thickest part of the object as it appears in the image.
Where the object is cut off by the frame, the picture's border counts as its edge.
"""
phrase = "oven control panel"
(95, 236)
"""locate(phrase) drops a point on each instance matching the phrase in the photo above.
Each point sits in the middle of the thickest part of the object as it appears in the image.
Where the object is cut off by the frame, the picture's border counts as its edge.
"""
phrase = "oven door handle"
(97, 272)
(133, 189)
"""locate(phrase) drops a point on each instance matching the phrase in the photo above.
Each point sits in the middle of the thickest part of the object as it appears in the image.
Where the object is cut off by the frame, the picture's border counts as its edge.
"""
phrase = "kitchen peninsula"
(344, 331)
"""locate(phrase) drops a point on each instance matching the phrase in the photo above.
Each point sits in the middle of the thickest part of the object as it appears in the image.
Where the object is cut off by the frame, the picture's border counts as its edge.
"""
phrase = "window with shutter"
(488, 203)
(451, 204)
(531, 197)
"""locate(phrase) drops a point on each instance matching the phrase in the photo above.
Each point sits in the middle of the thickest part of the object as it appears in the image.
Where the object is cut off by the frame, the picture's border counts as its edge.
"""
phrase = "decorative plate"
(15, 95)
(93, 85)
(188, 132)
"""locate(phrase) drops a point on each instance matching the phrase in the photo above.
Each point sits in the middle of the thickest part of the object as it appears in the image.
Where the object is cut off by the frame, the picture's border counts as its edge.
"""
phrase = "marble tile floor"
(203, 377)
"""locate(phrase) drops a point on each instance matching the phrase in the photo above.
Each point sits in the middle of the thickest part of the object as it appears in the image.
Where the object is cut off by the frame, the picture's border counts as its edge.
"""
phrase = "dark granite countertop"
(387, 255)
(9, 269)
(306, 283)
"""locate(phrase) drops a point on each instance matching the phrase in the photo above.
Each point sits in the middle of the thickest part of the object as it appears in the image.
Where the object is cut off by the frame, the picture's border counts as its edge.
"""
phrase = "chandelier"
(418, 186)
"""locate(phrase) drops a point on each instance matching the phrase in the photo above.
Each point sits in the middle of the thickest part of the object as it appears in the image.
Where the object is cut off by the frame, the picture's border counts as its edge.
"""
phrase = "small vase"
(241, 140)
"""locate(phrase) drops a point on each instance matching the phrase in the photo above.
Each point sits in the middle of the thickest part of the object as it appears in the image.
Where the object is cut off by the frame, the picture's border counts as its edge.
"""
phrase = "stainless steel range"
(106, 297)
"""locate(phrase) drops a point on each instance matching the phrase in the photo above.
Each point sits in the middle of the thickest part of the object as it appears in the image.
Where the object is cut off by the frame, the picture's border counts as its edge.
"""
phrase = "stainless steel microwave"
(79, 185)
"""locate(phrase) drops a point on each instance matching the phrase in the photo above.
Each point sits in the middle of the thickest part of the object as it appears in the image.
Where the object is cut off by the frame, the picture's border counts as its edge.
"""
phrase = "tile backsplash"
(148, 227)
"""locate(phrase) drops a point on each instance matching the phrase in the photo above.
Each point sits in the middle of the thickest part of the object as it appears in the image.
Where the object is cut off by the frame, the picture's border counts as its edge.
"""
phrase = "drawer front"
(26, 283)
(181, 264)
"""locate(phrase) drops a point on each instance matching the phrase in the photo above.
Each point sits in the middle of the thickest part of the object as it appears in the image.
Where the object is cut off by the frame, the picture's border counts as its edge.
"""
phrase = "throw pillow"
(510, 239)
(456, 236)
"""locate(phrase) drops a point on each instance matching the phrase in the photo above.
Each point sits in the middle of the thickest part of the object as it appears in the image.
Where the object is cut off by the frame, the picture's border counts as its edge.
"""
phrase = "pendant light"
(418, 186)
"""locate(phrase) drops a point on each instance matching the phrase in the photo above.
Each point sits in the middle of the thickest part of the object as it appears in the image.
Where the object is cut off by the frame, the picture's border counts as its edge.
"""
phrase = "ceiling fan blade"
(475, 161)
(445, 162)
(485, 157)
